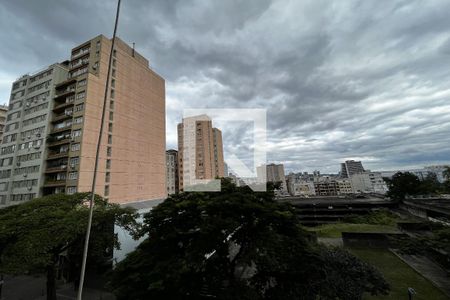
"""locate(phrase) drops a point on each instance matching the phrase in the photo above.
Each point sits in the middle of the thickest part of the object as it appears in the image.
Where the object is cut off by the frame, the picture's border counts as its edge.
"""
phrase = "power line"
(94, 179)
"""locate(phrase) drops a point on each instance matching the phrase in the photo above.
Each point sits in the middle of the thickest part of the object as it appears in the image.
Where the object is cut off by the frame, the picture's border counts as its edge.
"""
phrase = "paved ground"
(33, 288)
(429, 270)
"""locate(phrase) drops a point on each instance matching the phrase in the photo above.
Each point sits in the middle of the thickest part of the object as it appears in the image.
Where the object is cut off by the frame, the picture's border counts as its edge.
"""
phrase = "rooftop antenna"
(94, 177)
(132, 53)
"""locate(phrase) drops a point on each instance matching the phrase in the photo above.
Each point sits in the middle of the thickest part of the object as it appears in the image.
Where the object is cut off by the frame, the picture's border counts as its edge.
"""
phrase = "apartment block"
(172, 171)
(350, 167)
(200, 152)
(58, 112)
(272, 173)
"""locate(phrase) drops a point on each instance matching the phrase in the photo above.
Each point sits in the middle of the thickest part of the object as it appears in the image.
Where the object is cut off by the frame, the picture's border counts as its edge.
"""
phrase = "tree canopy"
(34, 235)
(236, 244)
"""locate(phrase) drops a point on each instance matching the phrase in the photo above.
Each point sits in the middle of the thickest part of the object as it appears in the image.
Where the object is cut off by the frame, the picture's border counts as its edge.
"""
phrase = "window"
(75, 147)
(108, 151)
(114, 53)
(76, 133)
(109, 139)
(113, 72)
(74, 161)
(79, 107)
(106, 190)
(11, 126)
(113, 83)
(6, 161)
(81, 95)
(82, 83)
(73, 175)
(112, 94)
(13, 116)
(107, 177)
(108, 164)
(111, 104)
(111, 116)
(110, 127)
(78, 120)
(114, 63)
(71, 190)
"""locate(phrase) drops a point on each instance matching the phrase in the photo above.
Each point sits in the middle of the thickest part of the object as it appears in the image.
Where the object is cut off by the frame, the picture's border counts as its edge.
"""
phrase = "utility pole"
(94, 177)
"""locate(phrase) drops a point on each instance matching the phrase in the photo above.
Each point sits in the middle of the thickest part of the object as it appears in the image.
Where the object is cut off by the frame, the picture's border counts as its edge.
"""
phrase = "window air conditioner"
(25, 175)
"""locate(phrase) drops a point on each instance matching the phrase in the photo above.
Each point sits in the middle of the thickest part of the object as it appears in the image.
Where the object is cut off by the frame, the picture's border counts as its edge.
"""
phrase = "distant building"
(350, 167)
(368, 182)
(344, 186)
(200, 152)
(172, 171)
(272, 173)
(326, 188)
(421, 173)
(3, 113)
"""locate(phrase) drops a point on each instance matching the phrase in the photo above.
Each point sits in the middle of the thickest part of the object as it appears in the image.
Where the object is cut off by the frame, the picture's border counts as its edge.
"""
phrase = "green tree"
(233, 244)
(34, 234)
(403, 184)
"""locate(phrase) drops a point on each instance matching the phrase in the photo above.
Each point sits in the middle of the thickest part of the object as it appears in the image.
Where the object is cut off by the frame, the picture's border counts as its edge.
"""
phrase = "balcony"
(57, 142)
(67, 91)
(61, 117)
(66, 82)
(61, 129)
(54, 183)
(56, 169)
(56, 155)
(80, 52)
(62, 106)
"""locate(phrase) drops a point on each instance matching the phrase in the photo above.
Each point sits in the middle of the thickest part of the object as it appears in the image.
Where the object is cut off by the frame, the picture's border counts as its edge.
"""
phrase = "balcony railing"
(55, 155)
(56, 169)
(52, 183)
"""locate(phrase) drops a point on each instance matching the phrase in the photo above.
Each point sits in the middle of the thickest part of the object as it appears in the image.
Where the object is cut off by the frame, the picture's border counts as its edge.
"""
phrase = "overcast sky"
(366, 80)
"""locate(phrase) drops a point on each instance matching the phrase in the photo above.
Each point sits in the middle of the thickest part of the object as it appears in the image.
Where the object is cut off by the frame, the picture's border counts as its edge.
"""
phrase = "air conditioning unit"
(63, 167)
(28, 103)
(72, 166)
(30, 188)
(38, 135)
(25, 175)
(28, 136)
(37, 147)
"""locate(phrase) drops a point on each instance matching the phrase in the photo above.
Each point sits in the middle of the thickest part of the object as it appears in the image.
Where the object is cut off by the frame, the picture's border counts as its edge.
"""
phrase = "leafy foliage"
(34, 234)
(402, 185)
(234, 244)
(379, 217)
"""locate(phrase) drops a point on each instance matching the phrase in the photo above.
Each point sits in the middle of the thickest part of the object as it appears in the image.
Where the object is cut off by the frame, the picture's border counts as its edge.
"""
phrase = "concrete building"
(200, 152)
(3, 115)
(53, 125)
(344, 186)
(368, 182)
(172, 171)
(350, 167)
(272, 173)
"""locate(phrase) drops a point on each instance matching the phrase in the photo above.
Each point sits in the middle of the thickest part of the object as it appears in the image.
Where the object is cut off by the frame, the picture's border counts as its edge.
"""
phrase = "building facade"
(58, 112)
(200, 152)
(3, 115)
(272, 173)
(172, 171)
(350, 167)
(368, 182)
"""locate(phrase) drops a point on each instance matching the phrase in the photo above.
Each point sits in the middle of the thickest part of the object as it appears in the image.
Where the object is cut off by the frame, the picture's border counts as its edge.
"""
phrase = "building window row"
(9, 138)
(5, 174)
(15, 105)
(40, 76)
(81, 95)
(8, 149)
(39, 86)
(11, 126)
(30, 156)
(4, 162)
(17, 94)
(13, 116)
(26, 170)
(35, 131)
(43, 96)
(23, 197)
(36, 108)
(36, 144)
(71, 190)
(34, 120)
(25, 183)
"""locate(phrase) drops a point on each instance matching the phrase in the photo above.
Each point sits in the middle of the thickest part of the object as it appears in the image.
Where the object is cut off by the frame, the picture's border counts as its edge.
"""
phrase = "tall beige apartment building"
(55, 122)
(272, 173)
(200, 152)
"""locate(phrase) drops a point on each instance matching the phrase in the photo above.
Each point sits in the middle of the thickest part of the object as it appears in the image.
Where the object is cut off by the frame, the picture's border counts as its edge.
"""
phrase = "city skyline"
(337, 85)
